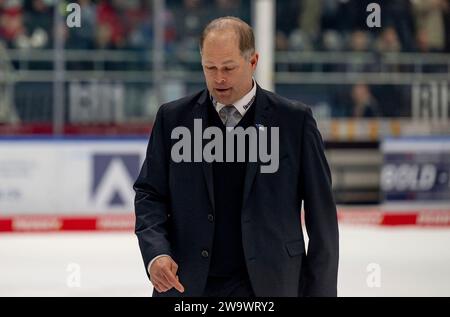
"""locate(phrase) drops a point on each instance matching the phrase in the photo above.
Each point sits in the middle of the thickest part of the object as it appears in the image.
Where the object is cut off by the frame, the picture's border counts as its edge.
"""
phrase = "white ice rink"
(411, 261)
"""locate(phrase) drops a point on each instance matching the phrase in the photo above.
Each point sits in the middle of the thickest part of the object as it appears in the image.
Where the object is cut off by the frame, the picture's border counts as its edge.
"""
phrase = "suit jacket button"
(210, 218)
(205, 253)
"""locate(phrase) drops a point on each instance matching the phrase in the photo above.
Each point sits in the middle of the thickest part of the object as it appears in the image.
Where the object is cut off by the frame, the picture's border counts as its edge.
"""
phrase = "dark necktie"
(230, 116)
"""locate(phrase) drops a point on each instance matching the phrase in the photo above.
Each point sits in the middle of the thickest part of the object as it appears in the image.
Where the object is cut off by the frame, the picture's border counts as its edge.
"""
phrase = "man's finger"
(163, 281)
(173, 280)
(174, 268)
(157, 287)
(162, 288)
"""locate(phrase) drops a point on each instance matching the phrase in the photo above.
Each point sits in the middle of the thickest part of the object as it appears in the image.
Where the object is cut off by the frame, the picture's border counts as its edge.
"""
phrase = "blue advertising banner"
(416, 169)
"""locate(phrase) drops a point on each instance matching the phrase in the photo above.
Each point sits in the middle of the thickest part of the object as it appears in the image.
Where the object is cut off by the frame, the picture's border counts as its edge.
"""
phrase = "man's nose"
(220, 78)
(220, 81)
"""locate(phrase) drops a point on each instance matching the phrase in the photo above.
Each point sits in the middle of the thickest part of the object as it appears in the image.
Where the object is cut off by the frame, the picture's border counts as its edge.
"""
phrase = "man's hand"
(163, 274)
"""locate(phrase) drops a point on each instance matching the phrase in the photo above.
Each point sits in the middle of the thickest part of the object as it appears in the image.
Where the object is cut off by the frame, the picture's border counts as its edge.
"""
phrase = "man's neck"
(245, 93)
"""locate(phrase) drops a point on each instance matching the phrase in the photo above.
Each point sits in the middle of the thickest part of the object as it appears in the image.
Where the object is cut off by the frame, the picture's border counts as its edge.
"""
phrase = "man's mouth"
(222, 90)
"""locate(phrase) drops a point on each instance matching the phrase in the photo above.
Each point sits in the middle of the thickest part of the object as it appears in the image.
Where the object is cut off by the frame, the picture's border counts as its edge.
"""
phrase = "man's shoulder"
(184, 103)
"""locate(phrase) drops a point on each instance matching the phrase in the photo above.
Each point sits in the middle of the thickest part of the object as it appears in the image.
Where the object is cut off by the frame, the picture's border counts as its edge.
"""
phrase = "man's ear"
(254, 60)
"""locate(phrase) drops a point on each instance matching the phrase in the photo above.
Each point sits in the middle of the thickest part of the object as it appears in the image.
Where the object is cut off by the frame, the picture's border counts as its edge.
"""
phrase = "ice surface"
(412, 261)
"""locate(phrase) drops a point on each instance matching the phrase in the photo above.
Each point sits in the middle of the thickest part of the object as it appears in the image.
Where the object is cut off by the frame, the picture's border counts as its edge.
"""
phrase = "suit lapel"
(262, 118)
(201, 112)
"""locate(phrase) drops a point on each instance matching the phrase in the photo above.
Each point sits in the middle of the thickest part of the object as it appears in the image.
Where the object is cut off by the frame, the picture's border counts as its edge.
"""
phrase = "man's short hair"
(242, 29)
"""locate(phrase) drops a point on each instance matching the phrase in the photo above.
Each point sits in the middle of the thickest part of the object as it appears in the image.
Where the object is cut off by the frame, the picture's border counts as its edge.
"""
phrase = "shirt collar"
(243, 104)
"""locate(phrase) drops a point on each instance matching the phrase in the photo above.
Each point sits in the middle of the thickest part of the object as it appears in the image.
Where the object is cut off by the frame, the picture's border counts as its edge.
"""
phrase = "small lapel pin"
(259, 126)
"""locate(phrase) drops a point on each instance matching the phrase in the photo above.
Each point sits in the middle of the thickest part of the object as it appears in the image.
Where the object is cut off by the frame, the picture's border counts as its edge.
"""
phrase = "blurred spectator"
(364, 105)
(190, 18)
(287, 18)
(424, 46)
(447, 26)
(344, 15)
(359, 41)
(39, 24)
(300, 41)
(281, 41)
(138, 26)
(83, 37)
(309, 18)
(399, 15)
(429, 18)
(359, 44)
(332, 41)
(297, 24)
(388, 41)
(12, 28)
(423, 41)
(110, 25)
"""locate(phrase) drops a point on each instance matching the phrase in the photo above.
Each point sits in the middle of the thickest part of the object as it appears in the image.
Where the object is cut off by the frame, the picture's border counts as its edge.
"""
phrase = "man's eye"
(229, 69)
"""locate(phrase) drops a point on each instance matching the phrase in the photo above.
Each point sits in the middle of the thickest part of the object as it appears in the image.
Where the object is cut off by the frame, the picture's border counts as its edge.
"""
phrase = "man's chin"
(222, 100)
(223, 97)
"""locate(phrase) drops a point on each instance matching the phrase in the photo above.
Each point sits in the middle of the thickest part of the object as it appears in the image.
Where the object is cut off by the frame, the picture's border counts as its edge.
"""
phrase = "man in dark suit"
(226, 228)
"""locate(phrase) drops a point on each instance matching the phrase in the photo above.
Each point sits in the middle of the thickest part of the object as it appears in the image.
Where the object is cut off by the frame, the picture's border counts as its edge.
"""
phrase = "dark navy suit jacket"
(174, 202)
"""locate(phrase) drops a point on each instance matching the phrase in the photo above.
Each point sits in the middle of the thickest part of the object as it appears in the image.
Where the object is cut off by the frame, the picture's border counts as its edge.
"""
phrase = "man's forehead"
(221, 48)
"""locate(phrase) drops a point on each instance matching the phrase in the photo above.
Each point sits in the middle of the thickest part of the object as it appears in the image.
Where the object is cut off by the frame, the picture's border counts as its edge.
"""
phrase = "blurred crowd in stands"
(331, 25)
(302, 25)
(112, 24)
(407, 25)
